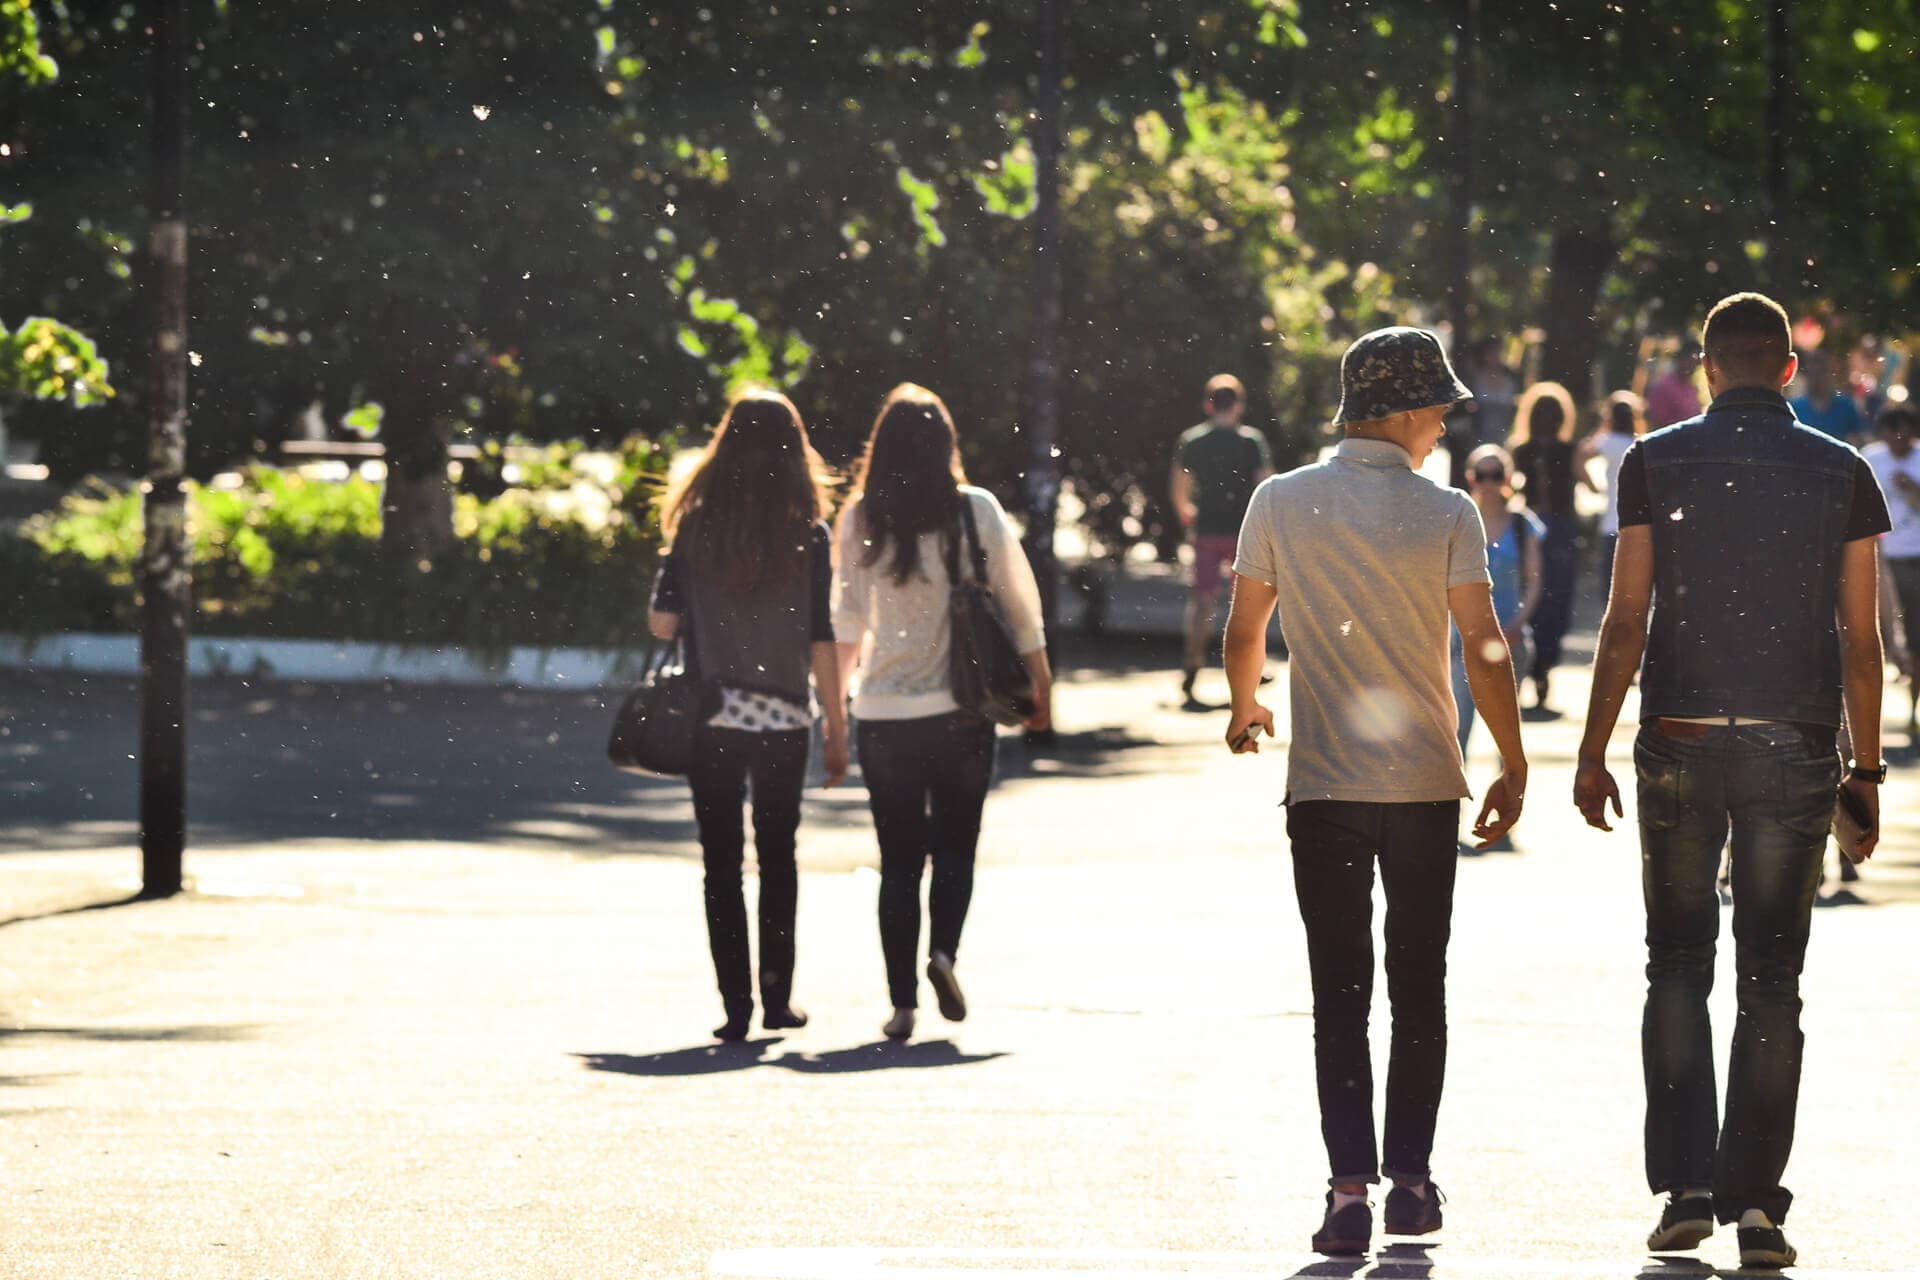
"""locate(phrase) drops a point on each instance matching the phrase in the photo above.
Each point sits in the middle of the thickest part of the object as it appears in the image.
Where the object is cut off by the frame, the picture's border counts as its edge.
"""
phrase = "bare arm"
(1180, 486)
(1623, 638)
(1532, 581)
(1040, 671)
(1245, 656)
(1489, 667)
(833, 708)
(1862, 666)
(663, 626)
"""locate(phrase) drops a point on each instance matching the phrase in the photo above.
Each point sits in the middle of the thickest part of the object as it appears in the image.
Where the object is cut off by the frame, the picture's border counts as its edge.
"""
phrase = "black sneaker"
(1412, 1215)
(1762, 1244)
(946, 987)
(1684, 1223)
(1345, 1234)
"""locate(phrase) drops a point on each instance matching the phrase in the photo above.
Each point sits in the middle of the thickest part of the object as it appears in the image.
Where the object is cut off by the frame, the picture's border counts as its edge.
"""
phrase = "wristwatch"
(1861, 773)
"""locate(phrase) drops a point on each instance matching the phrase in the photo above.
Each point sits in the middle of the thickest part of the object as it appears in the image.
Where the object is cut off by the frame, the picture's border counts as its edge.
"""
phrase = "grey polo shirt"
(1362, 552)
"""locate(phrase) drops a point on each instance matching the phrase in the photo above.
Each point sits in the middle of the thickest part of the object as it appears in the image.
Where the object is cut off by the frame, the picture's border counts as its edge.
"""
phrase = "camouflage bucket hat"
(1393, 371)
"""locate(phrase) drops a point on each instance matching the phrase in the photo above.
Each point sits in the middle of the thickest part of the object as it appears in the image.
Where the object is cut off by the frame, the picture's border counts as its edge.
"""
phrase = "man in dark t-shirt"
(1215, 471)
(1746, 571)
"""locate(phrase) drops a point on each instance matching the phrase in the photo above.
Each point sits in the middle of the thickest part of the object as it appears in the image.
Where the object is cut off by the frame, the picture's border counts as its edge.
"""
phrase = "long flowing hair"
(743, 511)
(908, 480)
(1534, 416)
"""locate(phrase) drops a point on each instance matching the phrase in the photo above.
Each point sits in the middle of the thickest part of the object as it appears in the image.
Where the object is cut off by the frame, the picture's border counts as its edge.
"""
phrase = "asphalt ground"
(467, 1034)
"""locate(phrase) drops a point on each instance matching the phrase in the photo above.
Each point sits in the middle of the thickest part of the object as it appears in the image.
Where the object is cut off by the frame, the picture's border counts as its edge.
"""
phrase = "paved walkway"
(487, 1055)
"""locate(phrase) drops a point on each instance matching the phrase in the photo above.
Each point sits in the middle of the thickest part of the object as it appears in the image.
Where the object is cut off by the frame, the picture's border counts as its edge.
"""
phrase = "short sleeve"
(1263, 452)
(820, 585)
(1869, 517)
(1258, 554)
(1467, 546)
(1635, 505)
(669, 592)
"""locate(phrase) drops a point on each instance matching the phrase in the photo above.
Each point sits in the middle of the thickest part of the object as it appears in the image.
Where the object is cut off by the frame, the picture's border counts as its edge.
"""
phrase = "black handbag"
(989, 676)
(653, 732)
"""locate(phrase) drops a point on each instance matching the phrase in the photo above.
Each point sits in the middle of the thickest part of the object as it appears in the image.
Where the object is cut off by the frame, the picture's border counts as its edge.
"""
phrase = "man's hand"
(838, 758)
(1502, 808)
(1188, 514)
(1256, 714)
(1867, 796)
(1593, 787)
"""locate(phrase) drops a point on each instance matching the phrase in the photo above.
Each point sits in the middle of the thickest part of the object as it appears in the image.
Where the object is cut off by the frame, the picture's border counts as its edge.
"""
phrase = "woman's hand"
(839, 757)
(1042, 717)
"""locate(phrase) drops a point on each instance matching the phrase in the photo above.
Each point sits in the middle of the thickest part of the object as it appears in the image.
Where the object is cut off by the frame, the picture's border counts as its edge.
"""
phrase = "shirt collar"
(1751, 398)
(1373, 453)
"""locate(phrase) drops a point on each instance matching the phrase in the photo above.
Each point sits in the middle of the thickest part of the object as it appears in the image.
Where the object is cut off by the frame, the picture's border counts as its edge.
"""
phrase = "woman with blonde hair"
(1542, 448)
(912, 524)
(747, 583)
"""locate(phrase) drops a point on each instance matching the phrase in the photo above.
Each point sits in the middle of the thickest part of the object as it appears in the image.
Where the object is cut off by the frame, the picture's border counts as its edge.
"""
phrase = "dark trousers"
(1774, 785)
(1554, 614)
(1335, 846)
(724, 762)
(927, 782)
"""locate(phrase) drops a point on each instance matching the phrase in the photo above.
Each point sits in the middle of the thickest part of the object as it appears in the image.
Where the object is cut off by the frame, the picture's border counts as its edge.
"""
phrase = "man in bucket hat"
(1367, 561)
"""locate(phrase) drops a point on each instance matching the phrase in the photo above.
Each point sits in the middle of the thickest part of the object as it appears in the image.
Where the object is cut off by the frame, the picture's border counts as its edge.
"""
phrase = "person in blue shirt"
(1514, 537)
(1824, 404)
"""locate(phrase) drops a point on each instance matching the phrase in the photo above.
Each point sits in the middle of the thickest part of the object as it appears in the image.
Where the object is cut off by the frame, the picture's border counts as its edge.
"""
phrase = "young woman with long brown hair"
(1542, 448)
(747, 582)
(927, 764)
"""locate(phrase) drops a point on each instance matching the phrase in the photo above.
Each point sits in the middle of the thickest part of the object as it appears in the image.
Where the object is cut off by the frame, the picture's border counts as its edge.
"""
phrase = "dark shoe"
(1345, 1234)
(783, 1019)
(734, 1029)
(946, 987)
(1684, 1223)
(899, 1026)
(1412, 1215)
(1187, 678)
(1762, 1244)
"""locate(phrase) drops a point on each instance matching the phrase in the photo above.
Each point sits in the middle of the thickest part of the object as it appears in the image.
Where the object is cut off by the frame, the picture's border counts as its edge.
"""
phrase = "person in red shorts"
(1215, 471)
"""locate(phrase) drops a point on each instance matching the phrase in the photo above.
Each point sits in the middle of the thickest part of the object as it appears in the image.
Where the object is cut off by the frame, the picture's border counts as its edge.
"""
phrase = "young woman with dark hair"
(747, 582)
(927, 763)
(1542, 448)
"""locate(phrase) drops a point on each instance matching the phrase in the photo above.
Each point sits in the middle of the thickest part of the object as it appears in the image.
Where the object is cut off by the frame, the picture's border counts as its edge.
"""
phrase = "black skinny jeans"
(1773, 784)
(927, 782)
(1335, 846)
(724, 761)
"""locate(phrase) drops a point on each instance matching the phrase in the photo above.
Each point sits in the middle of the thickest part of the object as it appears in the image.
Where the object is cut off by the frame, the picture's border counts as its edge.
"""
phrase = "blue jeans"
(1774, 785)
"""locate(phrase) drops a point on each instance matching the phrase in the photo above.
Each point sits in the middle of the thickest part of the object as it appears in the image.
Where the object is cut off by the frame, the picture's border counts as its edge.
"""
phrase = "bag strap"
(972, 534)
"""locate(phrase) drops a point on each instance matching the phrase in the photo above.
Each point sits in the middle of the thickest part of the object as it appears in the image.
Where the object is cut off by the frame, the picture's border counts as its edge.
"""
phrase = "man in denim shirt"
(1752, 537)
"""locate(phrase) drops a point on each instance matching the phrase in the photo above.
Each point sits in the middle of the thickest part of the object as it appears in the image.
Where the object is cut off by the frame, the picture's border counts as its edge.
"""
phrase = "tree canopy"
(587, 218)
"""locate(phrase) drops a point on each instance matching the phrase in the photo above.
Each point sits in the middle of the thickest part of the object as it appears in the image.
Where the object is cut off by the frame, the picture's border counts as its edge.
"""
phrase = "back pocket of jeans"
(1659, 780)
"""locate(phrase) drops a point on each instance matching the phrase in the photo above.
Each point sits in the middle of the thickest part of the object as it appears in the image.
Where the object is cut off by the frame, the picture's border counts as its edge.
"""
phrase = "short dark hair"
(1748, 336)
(1899, 416)
(1224, 391)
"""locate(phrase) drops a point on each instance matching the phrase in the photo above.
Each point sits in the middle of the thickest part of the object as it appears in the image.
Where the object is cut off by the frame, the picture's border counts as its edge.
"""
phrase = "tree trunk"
(1579, 262)
(416, 505)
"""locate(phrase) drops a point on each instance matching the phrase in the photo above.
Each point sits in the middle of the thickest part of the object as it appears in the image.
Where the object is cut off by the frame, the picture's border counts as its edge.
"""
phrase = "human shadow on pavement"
(1395, 1262)
(699, 1060)
(885, 1055)
(202, 1034)
(716, 1059)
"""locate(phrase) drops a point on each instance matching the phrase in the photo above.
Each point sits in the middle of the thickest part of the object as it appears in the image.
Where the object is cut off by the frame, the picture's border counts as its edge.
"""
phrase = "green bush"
(565, 557)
